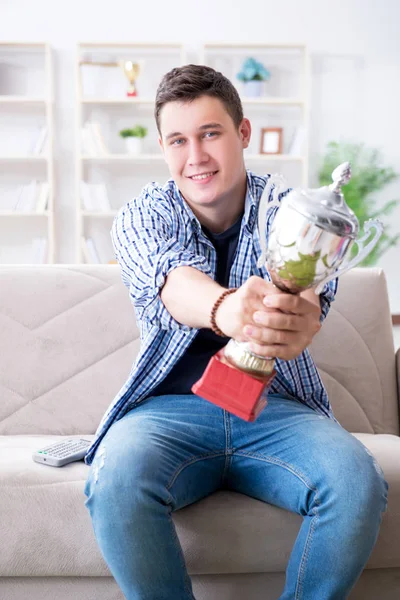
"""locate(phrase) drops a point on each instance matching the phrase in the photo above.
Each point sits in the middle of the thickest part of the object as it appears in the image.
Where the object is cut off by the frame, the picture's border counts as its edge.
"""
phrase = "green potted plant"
(253, 74)
(368, 176)
(134, 138)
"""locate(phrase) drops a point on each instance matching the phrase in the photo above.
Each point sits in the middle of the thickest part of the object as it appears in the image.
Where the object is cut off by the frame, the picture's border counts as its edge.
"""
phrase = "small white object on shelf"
(298, 141)
(134, 145)
(92, 139)
(42, 196)
(27, 197)
(39, 251)
(39, 144)
(94, 197)
(89, 250)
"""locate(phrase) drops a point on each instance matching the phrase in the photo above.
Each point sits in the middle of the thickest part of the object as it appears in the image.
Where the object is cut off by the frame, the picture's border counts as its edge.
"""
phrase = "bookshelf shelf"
(26, 194)
(124, 158)
(273, 101)
(24, 158)
(274, 157)
(4, 99)
(99, 215)
(16, 213)
(111, 101)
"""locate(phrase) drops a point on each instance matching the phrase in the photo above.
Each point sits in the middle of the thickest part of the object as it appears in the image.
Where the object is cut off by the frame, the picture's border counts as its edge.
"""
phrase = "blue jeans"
(170, 451)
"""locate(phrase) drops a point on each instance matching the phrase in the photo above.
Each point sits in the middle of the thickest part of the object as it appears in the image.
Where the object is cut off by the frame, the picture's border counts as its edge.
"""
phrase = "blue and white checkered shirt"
(157, 232)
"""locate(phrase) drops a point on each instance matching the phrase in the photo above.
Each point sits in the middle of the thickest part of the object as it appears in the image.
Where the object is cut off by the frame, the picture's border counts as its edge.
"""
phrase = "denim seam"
(306, 552)
(181, 557)
(228, 448)
(189, 462)
(280, 463)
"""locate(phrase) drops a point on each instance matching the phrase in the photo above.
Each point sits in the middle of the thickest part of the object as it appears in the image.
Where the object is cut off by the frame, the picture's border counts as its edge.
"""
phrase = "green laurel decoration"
(302, 272)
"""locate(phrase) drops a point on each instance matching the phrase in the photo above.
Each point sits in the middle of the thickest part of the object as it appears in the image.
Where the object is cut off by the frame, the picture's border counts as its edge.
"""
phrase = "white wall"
(354, 46)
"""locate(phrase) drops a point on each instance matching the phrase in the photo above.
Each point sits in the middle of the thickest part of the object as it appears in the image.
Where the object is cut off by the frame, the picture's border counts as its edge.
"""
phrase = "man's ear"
(245, 132)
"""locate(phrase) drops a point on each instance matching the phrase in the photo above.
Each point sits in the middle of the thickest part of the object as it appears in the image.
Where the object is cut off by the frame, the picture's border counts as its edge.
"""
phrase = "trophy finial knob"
(340, 176)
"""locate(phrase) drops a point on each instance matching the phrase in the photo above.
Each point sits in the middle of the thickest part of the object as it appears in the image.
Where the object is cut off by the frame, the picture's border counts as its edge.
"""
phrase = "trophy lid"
(326, 206)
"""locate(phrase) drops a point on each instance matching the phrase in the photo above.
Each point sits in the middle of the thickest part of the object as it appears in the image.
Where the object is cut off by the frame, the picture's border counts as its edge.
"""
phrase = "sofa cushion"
(48, 531)
(76, 343)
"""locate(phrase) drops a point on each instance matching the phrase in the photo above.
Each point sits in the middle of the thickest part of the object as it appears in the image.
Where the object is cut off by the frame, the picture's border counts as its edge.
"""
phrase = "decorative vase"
(134, 145)
(253, 89)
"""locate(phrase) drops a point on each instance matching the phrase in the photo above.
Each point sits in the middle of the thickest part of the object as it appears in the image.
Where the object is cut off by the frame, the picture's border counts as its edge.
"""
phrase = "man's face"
(204, 150)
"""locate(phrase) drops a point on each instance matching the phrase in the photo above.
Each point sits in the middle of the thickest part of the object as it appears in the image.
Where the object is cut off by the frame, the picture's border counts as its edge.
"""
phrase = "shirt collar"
(250, 205)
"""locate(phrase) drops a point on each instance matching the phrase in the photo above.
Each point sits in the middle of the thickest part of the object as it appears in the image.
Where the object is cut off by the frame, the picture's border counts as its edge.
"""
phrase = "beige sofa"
(67, 342)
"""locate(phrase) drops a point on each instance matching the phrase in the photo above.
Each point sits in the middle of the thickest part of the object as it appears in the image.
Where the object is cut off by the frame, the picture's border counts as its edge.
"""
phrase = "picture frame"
(271, 140)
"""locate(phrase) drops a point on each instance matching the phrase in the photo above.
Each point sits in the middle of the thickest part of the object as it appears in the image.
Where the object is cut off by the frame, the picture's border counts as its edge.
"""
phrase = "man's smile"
(203, 177)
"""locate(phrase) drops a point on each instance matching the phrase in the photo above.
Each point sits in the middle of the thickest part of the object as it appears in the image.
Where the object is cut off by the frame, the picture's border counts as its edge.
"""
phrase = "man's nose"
(197, 154)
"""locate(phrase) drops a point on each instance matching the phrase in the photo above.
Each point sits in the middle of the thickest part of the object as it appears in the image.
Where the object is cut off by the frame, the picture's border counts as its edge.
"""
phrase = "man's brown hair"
(187, 83)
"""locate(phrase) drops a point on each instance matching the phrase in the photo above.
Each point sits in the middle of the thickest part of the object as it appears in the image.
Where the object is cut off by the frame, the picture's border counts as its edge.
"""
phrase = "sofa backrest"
(355, 355)
(68, 340)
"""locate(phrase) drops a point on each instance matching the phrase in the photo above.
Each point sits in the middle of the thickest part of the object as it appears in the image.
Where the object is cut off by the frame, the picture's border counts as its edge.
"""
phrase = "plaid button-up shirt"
(157, 232)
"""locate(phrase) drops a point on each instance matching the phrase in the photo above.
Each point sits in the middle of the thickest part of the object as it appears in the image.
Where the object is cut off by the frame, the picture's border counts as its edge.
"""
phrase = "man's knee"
(354, 481)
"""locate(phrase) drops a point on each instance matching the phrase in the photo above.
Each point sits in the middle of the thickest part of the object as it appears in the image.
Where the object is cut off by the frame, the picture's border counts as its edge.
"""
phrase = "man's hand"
(275, 323)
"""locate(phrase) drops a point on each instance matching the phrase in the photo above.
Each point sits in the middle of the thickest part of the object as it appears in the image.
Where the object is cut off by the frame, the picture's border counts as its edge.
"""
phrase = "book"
(298, 141)
(39, 251)
(86, 196)
(94, 197)
(40, 141)
(27, 197)
(93, 142)
(87, 143)
(104, 245)
(97, 134)
(89, 250)
(42, 196)
(99, 197)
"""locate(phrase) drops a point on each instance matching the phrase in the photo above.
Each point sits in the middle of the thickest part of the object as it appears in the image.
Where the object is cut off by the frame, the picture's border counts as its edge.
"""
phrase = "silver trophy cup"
(309, 244)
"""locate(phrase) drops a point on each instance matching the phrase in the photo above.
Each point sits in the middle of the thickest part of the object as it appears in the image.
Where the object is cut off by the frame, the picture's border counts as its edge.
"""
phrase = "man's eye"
(177, 142)
(210, 134)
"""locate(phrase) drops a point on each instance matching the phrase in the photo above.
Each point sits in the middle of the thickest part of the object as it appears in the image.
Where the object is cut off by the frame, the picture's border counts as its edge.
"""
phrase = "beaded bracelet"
(214, 326)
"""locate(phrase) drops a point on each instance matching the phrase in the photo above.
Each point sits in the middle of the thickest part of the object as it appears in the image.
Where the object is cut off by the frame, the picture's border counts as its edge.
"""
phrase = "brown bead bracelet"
(214, 326)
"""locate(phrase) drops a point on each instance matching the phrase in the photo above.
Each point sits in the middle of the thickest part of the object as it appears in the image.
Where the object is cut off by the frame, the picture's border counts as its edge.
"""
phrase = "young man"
(159, 447)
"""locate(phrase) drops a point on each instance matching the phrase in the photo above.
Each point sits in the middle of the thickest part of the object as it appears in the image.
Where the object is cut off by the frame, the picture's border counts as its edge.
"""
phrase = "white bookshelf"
(26, 100)
(284, 104)
(101, 98)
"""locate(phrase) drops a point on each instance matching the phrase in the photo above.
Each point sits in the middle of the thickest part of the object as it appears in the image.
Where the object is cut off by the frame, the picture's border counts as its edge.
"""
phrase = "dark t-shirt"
(190, 367)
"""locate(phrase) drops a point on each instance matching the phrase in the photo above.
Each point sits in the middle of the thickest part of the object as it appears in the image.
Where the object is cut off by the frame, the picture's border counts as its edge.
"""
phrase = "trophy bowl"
(312, 237)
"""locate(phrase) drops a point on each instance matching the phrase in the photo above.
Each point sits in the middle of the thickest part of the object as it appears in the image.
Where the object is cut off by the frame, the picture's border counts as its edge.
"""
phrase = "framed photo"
(271, 140)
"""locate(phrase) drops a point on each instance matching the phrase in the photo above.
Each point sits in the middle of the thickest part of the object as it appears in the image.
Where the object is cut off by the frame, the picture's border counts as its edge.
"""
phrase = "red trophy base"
(236, 391)
(131, 94)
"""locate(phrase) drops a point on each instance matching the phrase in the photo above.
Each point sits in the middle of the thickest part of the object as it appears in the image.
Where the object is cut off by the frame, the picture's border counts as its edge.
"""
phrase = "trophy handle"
(363, 251)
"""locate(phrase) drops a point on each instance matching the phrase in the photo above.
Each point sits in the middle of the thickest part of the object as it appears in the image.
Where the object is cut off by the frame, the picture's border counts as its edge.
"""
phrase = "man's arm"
(148, 249)
(189, 296)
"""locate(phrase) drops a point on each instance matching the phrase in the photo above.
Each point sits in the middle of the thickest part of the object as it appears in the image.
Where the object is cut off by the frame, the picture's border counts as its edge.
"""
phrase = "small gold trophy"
(132, 71)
